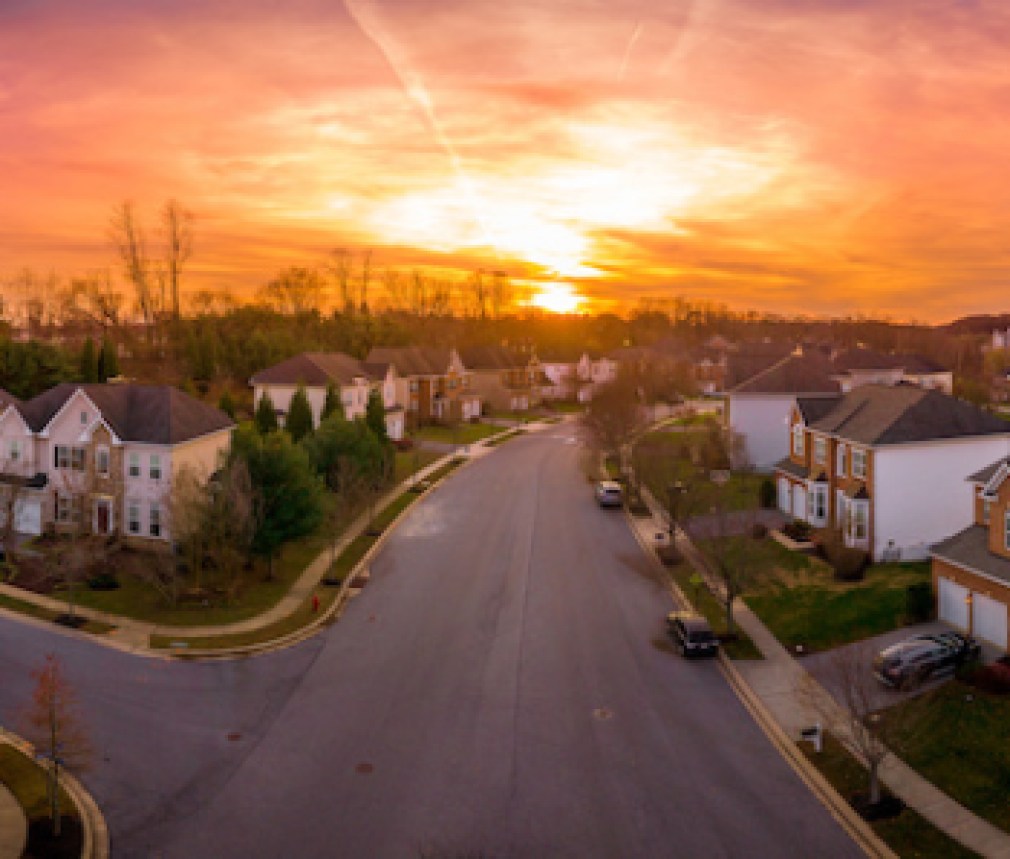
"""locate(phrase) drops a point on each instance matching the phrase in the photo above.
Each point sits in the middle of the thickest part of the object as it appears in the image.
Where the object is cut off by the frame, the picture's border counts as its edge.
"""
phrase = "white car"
(609, 493)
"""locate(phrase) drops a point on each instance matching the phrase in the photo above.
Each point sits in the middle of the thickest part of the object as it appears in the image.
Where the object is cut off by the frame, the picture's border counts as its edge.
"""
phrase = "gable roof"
(155, 414)
(794, 374)
(814, 408)
(413, 360)
(871, 359)
(989, 472)
(491, 358)
(884, 414)
(315, 369)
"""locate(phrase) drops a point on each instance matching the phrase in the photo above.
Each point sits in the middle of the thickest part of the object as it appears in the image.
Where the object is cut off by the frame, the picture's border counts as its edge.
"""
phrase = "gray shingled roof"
(157, 414)
(316, 369)
(790, 467)
(413, 360)
(491, 358)
(794, 374)
(814, 408)
(970, 548)
(871, 359)
(883, 414)
(987, 473)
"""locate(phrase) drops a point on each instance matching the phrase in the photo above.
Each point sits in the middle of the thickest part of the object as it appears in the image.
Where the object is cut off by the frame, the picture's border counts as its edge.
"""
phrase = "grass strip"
(908, 834)
(504, 438)
(95, 627)
(706, 604)
(26, 780)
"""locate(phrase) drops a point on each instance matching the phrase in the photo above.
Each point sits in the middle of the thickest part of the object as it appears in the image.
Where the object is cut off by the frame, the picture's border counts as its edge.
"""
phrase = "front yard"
(955, 736)
(464, 433)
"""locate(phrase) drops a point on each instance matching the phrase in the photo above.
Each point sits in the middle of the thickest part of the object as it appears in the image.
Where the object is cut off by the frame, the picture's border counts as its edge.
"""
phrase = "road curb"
(95, 831)
(854, 825)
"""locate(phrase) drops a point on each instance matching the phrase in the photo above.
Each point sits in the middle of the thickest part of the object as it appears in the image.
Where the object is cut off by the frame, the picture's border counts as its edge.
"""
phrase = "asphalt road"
(496, 691)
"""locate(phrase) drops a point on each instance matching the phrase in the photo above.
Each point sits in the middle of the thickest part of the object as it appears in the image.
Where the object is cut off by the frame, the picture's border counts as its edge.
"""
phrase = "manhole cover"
(364, 769)
(234, 736)
(603, 714)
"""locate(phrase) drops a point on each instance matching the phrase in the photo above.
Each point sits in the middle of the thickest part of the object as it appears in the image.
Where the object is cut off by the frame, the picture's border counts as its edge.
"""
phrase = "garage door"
(785, 495)
(989, 621)
(953, 603)
(28, 516)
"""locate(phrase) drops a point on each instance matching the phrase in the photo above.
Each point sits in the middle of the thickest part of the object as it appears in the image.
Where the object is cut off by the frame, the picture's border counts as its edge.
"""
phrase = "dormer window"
(84, 419)
(797, 439)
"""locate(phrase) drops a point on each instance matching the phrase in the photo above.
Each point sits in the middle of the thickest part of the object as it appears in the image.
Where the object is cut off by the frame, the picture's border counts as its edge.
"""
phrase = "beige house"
(105, 455)
(434, 385)
(504, 380)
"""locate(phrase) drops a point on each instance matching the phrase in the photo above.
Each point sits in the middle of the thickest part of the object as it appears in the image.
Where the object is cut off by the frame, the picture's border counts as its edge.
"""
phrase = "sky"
(829, 157)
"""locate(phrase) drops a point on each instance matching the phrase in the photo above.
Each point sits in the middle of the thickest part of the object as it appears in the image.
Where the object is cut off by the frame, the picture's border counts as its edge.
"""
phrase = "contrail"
(627, 51)
(414, 87)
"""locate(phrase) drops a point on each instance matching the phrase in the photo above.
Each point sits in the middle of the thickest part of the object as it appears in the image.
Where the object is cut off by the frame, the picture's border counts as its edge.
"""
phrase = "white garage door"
(989, 621)
(785, 496)
(953, 603)
(28, 516)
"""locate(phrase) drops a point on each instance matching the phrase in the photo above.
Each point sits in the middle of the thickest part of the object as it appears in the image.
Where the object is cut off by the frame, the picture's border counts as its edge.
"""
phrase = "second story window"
(14, 453)
(840, 461)
(77, 458)
(859, 463)
(134, 465)
(102, 461)
(155, 470)
(820, 449)
(69, 457)
(797, 439)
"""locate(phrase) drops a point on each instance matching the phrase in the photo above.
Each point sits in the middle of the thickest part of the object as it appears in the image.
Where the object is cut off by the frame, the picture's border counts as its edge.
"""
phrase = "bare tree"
(853, 715)
(613, 417)
(53, 724)
(419, 292)
(394, 287)
(177, 225)
(479, 290)
(366, 276)
(127, 235)
(294, 290)
(501, 292)
(340, 268)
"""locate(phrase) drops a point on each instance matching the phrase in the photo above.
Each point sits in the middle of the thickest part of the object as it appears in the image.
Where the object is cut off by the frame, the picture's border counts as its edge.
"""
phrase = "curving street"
(495, 691)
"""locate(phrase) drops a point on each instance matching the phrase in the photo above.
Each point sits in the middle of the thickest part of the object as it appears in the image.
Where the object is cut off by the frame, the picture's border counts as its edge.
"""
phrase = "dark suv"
(911, 662)
(691, 634)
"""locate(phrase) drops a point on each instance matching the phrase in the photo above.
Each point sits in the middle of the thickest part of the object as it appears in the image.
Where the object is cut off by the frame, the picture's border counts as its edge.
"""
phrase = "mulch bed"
(42, 844)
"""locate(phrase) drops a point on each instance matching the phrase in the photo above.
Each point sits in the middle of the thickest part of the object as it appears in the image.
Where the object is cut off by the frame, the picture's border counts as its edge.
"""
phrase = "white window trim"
(133, 506)
(859, 456)
(101, 451)
(820, 450)
(154, 520)
(840, 460)
(798, 440)
(133, 462)
(154, 459)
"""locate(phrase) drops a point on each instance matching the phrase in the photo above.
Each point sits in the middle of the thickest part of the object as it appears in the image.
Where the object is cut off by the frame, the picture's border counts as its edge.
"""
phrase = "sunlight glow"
(557, 298)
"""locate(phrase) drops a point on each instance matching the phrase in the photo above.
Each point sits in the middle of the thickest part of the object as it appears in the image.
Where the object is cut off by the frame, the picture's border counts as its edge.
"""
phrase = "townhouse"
(971, 569)
(316, 371)
(433, 385)
(102, 457)
(881, 464)
(503, 379)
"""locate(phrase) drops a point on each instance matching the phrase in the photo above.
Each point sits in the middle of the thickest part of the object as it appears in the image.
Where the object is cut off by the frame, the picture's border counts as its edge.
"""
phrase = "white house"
(886, 465)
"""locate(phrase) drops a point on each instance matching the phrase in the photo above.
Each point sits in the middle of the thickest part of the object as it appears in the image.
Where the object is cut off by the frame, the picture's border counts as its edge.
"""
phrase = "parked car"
(609, 493)
(911, 662)
(691, 634)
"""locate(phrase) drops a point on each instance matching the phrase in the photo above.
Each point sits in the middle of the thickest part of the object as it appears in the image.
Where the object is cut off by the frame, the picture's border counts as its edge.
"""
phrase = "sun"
(557, 298)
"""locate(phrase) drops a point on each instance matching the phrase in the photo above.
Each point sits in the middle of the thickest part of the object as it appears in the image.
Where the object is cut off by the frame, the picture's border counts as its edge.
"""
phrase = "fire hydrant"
(315, 603)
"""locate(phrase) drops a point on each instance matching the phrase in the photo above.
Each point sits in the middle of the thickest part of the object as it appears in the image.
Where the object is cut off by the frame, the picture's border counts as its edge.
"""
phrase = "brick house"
(433, 385)
(879, 464)
(971, 570)
(105, 454)
(503, 379)
(316, 371)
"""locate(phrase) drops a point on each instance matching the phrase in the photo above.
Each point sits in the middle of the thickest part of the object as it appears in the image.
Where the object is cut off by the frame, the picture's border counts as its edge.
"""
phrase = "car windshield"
(699, 633)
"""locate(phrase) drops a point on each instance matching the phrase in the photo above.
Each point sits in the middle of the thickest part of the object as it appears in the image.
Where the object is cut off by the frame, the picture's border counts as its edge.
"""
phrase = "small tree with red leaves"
(53, 725)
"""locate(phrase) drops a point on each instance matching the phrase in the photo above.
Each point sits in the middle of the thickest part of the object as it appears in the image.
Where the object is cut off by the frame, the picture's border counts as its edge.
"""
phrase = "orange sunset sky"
(830, 157)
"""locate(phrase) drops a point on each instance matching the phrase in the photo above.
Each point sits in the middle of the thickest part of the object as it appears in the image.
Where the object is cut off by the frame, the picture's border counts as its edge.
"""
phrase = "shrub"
(797, 530)
(766, 494)
(993, 679)
(104, 581)
(759, 531)
(848, 564)
(919, 602)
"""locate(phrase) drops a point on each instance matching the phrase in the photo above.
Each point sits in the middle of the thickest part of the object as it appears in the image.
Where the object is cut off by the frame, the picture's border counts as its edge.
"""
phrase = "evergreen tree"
(89, 362)
(332, 405)
(266, 415)
(339, 440)
(299, 420)
(108, 361)
(226, 404)
(375, 416)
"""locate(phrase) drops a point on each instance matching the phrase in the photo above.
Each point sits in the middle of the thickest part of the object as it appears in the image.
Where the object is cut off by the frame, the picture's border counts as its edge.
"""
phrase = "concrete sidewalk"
(13, 826)
(796, 700)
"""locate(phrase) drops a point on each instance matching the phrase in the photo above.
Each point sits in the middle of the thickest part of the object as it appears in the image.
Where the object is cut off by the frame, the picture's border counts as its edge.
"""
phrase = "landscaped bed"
(798, 599)
(27, 782)
(955, 736)
(908, 833)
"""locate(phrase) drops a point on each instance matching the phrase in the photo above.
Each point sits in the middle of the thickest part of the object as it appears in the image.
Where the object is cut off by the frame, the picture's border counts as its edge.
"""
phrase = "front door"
(103, 517)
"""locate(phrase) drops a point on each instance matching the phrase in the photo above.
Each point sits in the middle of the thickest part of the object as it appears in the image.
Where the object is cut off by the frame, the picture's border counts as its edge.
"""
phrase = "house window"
(797, 440)
(134, 465)
(61, 456)
(15, 450)
(77, 458)
(859, 463)
(818, 504)
(820, 449)
(133, 517)
(64, 508)
(155, 469)
(154, 521)
(986, 510)
(840, 461)
(102, 461)
(859, 524)
(84, 419)
(413, 386)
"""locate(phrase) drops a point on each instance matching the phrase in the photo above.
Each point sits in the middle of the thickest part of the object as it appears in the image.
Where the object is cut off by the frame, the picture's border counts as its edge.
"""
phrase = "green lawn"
(909, 834)
(27, 781)
(799, 601)
(33, 610)
(706, 603)
(408, 462)
(566, 407)
(459, 434)
(955, 736)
